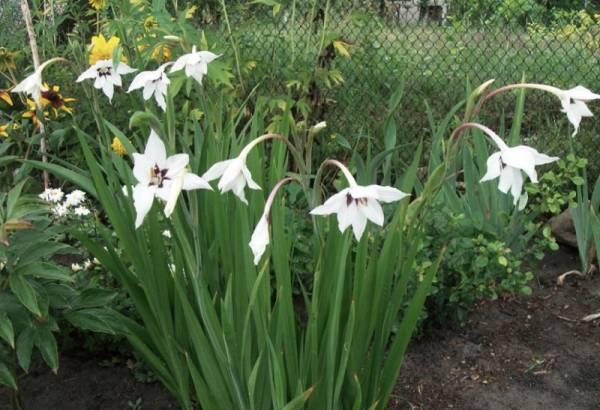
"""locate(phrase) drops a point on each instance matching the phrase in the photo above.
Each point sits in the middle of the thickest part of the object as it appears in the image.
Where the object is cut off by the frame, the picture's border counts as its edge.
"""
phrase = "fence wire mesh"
(346, 61)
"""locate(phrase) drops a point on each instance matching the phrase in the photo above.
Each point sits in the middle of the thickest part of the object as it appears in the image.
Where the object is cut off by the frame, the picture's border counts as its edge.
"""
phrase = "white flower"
(195, 64)
(75, 267)
(60, 210)
(32, 85)
(74, 198)
(81, 211)
(508, 164)
(234, 174)
(357, 204)
(315, 129)
(573, 104)
(52, 195)
(167, 234)
(260, 236)
(105, 76)
(154, 83)
(162, 177)
(87, 264)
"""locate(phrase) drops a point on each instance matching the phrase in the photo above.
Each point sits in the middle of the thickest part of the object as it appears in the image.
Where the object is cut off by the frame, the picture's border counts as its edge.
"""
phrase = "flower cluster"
(73, 203)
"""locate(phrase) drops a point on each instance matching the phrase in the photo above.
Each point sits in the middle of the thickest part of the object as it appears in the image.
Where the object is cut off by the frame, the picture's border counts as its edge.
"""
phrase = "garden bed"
(523, 352)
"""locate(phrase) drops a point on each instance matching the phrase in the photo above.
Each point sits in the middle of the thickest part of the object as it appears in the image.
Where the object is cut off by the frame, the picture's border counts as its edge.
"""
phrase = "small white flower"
(105, 76)
(162, 177)
(260, 236)
(75, 267)
(573, 104)
(2, 263)
(52, 195)
(33, 84)
(167, 234)
(95, 261)
(195, 64)
(154, 83)
(81, 211)
(315, 129)
(87, 264)
(60, 210)
(357, 204)
(233, 173)
(508, 164)
(74, 198)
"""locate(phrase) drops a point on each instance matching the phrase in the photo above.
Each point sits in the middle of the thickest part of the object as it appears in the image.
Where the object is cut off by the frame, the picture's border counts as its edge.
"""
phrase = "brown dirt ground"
(523, 353)
(515, 353)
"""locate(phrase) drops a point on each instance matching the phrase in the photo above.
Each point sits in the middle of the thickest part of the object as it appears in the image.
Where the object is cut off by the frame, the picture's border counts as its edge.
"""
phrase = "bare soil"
(515, 353)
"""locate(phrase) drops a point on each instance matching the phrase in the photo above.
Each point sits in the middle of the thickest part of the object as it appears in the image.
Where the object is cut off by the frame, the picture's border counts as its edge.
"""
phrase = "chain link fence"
(346, 61)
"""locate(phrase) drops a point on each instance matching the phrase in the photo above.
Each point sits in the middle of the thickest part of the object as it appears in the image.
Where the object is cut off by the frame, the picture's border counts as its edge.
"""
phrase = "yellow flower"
(102, 49)
(5, 96)
(31, 111)
(118, 147)
(3, 132)
(150, 23)
(161, 54)
(7, 60)
(98, 4)
(189, 13)
(52, 96)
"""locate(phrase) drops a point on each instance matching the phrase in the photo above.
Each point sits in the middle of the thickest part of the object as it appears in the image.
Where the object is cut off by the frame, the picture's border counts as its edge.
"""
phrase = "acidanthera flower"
(160, 176)
(105, 76)
(195, 64)
(234, 174)
(508, 164)
(32, 85)
(155, 84)
(357, 204)
(260, 236)
(572, 100)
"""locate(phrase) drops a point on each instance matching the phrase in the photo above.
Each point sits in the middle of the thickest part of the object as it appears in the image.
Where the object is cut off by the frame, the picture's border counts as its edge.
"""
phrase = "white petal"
(517, 185)
(115, 78)
(175, 164)
(523, 201)
(346, 215)
(359, 222)
(581, 93)
(160, 100)
(249, 180)
(372, 211)
(232, 175)
(143, 196)
(27, 84)
(87, 74)
(193, 181)
(174, 191)
(207, 56)
(123, 68)
(155, 149)
(108, 90)
(142, 78)
(388, 194)
(149, 89)
(238, 189)
(141, 167)
(522, 158)
(179, 64)
(333, 204)
(260, 239)
(216, 170)
(506, 179)
(494, 166)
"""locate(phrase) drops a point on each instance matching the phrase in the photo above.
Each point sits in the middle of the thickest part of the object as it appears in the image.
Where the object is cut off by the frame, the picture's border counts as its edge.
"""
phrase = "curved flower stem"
(297, 157)
(273, 193)
(453, 141)
(340, 166)
(548, 88)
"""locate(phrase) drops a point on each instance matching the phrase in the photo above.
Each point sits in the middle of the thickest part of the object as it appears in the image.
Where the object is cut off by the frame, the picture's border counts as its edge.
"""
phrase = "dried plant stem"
(36, 63)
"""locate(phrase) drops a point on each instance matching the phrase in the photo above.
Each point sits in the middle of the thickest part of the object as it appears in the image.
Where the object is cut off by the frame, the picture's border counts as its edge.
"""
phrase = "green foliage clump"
(556, 189)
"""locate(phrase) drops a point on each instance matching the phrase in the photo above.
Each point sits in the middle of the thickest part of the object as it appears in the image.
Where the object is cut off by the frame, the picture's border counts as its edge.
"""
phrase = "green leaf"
(7, 331)
(46, 270)
(90, 298)
(25, 293)
(502, 260)
(25, 348)
(79, 178)
(6, 377)
(94, 320)
(46, 343)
